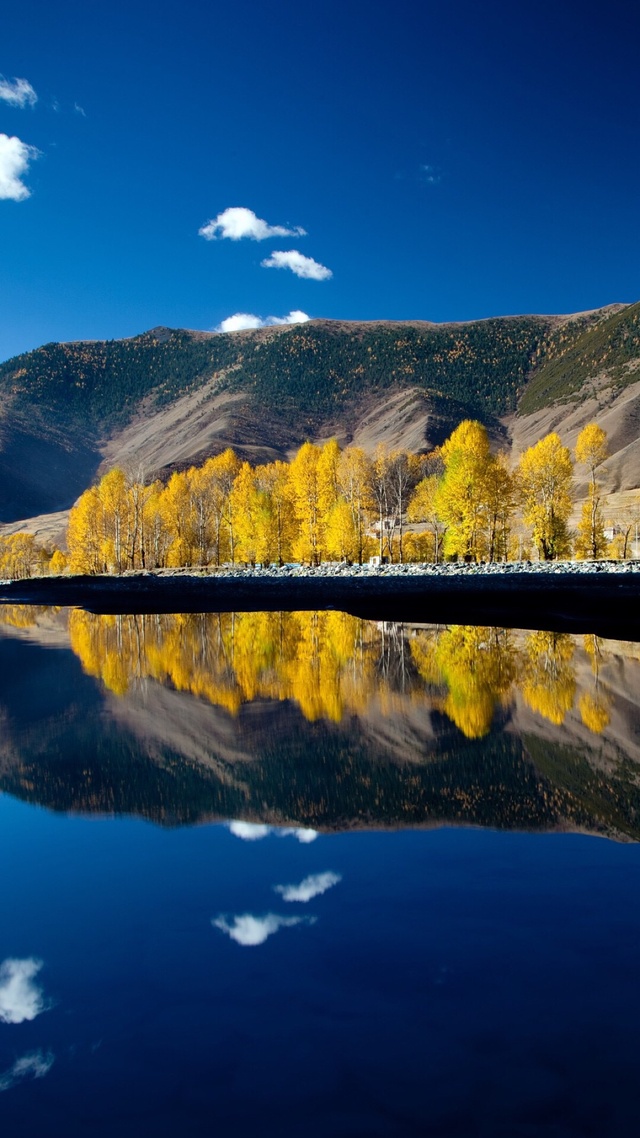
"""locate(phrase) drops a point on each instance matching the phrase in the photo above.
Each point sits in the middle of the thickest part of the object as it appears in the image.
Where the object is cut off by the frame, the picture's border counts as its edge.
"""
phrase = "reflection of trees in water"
(324, 661)
(332, 664)
(478, 667)
(548, 679)
(595, 705)
(315, 760)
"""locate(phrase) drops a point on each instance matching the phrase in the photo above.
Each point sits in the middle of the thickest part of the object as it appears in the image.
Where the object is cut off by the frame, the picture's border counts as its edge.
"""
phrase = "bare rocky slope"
(169, 398)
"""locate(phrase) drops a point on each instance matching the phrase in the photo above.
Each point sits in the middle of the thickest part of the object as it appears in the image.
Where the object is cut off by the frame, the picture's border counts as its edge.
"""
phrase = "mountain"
(168, 398)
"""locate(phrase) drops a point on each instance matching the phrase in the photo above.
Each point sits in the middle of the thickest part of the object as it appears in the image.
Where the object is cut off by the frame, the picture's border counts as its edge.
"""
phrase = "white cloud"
(242, 320)
(79, 110)
(238, 222)
(35, 1063)
(20, 93)
(302, 266)
(15, 157)
(430, 174)
(254, 831)
(20, 998)
(239, 322)
(296, 316)
(250, 931)
(313, 886)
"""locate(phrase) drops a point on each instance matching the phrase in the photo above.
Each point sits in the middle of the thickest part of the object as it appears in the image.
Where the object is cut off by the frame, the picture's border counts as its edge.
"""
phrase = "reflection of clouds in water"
(20, 998)
(312, 886)
(35, 1065)
(249, 831)
(300, 834)
(249, 930)
(254, 831)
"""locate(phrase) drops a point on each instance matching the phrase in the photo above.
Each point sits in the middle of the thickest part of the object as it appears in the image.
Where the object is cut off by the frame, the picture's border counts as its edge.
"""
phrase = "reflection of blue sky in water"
(249, 930)
(313, 886)
(20, 998)
(456, 982)
(254, 832)
(34, 1065)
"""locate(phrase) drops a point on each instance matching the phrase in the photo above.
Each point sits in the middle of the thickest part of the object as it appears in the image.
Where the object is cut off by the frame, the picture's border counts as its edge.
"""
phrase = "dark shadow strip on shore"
(605, 604)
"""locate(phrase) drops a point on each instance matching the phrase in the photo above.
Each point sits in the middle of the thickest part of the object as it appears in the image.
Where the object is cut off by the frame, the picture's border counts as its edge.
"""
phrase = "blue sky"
(446, 161)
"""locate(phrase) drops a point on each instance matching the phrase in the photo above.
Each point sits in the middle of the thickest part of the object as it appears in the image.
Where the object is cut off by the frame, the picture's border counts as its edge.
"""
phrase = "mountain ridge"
(170, 397)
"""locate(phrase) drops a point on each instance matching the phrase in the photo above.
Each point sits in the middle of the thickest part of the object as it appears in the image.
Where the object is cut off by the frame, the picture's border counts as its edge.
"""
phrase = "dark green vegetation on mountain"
(101, 384)
(307, 372)
(315, 371)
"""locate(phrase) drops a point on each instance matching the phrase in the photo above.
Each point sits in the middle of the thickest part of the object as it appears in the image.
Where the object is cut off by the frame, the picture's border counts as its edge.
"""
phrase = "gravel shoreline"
(599, 597)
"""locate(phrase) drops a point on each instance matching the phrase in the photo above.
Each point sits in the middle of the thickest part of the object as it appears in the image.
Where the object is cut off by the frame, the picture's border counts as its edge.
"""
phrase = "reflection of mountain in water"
(321, 721)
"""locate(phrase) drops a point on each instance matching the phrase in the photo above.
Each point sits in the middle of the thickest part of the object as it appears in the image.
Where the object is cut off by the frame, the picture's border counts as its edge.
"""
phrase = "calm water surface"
(295, 874)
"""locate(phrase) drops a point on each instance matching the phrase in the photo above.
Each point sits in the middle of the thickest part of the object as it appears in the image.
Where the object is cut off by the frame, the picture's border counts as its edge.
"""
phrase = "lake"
(303, 874)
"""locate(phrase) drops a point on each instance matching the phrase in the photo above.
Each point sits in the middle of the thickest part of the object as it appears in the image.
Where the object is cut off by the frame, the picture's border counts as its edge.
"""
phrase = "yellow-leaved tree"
(82, 540)
(591, 450)
(545, 475)
(248, 509)
(422, 508)
(278, 518)
(348, 521)
(306, 490)
(20, 556)
(176, 520)
(394, 476)
(476, 497)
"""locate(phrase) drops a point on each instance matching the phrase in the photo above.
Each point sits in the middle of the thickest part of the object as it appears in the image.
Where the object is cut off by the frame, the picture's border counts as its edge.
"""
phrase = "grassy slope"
(601, 345)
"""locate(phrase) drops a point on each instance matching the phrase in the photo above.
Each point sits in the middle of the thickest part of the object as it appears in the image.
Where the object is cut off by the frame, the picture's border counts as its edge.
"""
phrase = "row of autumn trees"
(459, 501)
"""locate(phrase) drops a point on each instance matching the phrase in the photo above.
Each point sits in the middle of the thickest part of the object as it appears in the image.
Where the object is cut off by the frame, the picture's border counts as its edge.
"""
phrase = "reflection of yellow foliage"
(22, 616)
(594, 711)
(323, 661)
(423, 653)
(549, 684)
(332, 664)
(593, 648)
(478, 666)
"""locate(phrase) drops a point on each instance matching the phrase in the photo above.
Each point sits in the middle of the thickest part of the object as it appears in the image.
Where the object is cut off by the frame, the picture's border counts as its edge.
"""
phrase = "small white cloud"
(79, 110)
(238, 222)
(15, 157)
(249, 931)
(18, 93)
(243, 320)
(239, 322)
(35, 1064)
(313, 886)
(20, 998)
(430, 175)
(302, 266)
(294, 317)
